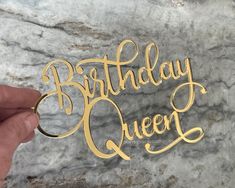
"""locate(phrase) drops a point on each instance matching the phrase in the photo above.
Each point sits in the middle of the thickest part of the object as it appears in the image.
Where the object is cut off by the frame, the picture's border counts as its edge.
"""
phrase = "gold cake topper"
(149, 126)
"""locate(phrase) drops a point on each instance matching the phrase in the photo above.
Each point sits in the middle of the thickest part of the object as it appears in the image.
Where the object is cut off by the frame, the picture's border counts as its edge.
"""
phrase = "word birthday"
(159, 124)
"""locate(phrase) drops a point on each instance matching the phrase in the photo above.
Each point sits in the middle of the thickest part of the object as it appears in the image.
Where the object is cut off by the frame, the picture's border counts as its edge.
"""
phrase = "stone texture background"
(33, 32)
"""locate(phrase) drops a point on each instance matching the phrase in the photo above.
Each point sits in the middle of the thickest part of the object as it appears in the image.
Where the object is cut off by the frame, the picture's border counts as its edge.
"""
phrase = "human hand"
(17, 122)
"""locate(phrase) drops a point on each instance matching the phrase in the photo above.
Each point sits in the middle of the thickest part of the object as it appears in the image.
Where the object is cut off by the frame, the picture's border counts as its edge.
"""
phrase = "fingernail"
(31, 121)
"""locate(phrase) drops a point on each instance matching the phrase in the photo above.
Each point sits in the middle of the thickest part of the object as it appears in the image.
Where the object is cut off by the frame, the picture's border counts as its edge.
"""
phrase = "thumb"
(17, 128)
(12, 132)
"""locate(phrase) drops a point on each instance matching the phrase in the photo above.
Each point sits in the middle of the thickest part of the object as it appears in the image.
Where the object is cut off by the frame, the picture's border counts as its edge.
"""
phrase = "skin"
(17, 122)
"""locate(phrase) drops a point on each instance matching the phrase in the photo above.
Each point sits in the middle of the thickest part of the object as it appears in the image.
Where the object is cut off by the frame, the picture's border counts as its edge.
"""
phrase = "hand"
(17, 122)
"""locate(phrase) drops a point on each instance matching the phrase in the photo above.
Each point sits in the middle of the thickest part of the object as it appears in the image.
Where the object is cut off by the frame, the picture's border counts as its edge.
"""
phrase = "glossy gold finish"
(159, 124)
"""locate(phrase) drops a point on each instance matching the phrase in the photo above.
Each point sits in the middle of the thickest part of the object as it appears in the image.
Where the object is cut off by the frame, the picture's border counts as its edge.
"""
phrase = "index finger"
(12, 97)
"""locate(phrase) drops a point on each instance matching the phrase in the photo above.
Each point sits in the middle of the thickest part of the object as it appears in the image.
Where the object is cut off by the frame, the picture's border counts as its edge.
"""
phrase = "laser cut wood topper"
(159, 124)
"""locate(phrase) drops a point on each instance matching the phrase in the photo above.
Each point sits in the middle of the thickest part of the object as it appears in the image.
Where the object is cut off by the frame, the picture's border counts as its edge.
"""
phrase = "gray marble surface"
(33, 32)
